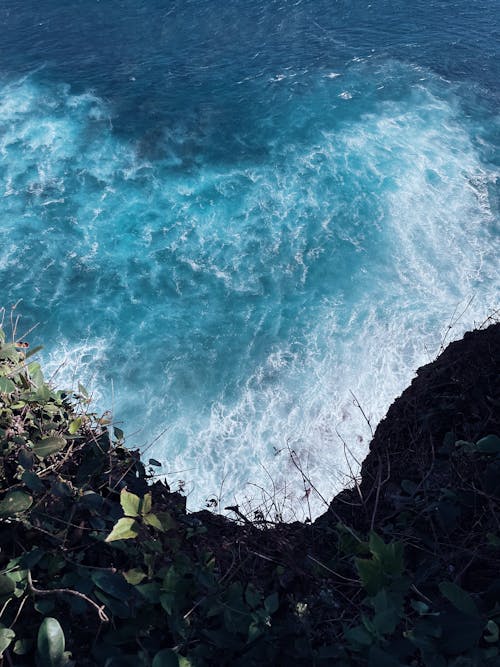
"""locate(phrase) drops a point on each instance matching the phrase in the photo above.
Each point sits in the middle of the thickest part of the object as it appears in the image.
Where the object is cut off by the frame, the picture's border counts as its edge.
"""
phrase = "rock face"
(457, 394)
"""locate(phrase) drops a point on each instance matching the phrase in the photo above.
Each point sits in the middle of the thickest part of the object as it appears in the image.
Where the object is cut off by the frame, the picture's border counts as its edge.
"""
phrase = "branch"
(68, 591)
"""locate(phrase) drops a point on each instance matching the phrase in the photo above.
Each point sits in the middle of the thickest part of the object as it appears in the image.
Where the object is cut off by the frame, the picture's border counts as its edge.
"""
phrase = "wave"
(253, 307)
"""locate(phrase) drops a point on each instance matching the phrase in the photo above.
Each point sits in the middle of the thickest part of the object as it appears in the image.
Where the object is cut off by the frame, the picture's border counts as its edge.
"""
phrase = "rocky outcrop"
(455, 397)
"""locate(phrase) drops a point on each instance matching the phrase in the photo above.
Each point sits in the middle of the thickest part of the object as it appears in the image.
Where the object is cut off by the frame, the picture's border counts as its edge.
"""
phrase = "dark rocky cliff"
(458, 394)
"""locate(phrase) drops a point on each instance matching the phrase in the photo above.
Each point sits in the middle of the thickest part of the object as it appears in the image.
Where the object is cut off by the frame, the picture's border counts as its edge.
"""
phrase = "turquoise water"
(227, 223)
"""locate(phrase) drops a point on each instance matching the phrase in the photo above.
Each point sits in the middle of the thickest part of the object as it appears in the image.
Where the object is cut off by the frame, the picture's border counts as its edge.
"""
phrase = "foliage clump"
(101, 565)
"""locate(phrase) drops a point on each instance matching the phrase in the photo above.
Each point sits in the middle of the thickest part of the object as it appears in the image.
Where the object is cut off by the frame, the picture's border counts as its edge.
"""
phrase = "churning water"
(234, 221)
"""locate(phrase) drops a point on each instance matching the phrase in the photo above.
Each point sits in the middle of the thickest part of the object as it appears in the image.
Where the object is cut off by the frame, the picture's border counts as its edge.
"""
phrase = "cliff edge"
(100, 564)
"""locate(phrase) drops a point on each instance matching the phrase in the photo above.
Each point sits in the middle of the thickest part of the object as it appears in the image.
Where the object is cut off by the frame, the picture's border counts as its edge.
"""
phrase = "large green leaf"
(6, 638)
(490, 444)
(124, 529)
(49, 445)
(6, 385)
(36, 374)
(14, 503)
(51, 643)
(131, 504)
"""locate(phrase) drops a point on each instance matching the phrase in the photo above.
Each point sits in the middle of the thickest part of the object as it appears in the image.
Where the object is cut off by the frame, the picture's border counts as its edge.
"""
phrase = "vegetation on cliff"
(101, 565)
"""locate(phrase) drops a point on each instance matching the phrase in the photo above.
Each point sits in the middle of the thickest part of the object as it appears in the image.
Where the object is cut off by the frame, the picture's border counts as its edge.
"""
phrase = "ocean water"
(245, 225)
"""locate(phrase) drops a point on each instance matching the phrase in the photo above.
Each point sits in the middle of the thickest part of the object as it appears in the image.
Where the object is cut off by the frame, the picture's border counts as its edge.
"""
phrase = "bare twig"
(357, 404)
(103, 617)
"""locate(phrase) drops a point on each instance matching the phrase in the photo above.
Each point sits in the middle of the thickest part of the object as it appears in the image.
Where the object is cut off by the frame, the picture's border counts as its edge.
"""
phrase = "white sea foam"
(439, 254)
(68, 364)
(371, 231)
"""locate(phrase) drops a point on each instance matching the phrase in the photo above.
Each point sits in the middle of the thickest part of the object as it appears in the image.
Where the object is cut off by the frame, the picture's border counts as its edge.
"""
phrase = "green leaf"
(9, 351)
(48, 446)
(115, 606)
(75, 426)
(359, 635)
(51, 643)
(154, 462)
(371, 575)
(26, 458)
(33, 482)
(390, 555)
(146, 504)
(7, 586)
(6, 385)
(154, 521)
(489, 445)
(112, 583)
(388, 610)
(420, 607)
(31, 558)
(15, 502)
(271, 603)
(149, 591)
(377, 545)
(46, 606)
(131, 504)
(7, 636)
(134, 576)
(36, 374)
(41, 395)
(167, 521)
(252, 596)
(165, 658)
(124, 529)
(458, 598)
(22, 646)
(493, 632)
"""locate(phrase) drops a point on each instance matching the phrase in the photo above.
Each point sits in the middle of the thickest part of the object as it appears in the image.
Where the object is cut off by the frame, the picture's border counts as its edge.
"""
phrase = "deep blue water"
(226, 217)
